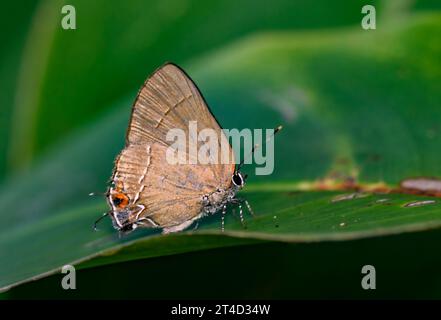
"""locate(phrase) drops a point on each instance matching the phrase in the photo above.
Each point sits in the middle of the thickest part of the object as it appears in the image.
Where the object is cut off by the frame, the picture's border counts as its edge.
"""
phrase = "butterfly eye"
(237, 179)
(120, 200)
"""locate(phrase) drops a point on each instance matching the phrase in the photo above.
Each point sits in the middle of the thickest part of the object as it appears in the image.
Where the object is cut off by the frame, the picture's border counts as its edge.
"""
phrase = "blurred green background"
(355, 103)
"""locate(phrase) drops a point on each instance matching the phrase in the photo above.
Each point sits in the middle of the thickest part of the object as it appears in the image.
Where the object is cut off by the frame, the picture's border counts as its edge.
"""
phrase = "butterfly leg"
(224, 211)
(141, 209)
(250, 210)
(242, 221)
(234, 212)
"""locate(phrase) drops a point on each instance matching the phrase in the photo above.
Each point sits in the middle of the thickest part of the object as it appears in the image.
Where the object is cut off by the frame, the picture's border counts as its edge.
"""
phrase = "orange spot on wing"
(120, 200)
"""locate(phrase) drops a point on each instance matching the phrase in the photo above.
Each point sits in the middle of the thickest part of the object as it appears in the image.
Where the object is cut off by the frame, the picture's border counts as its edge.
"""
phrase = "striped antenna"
(257, 146)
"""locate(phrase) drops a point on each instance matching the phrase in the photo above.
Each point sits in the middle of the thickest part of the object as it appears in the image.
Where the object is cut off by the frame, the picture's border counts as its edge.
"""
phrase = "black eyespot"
(120, 200)
(237, 179)
(117, 201)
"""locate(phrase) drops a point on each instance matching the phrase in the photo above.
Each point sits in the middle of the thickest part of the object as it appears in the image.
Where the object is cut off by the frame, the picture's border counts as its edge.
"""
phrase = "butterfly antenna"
(277, 129)
(98, 220)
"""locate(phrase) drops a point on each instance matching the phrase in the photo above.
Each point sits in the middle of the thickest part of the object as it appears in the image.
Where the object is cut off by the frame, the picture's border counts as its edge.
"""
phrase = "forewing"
(170, 100)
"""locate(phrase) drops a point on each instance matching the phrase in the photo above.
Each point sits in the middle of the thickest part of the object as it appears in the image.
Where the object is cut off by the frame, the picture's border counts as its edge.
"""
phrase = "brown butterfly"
(145, 189)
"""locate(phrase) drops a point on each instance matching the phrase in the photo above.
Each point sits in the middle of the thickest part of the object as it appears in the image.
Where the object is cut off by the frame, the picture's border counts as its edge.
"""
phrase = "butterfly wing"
(169, 194)
(161, 193)
(169, 99)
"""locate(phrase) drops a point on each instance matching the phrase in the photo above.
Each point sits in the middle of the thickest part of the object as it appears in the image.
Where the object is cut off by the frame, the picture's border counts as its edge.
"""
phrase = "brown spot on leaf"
(422, 185)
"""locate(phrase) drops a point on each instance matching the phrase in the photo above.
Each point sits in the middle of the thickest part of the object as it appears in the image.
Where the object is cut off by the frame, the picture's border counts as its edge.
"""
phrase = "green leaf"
(341, 121)
(41, 248)
(17, 17)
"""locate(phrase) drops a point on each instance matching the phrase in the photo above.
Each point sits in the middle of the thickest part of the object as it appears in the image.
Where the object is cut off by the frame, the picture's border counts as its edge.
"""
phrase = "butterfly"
(148, 191)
